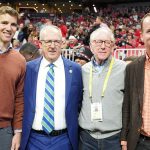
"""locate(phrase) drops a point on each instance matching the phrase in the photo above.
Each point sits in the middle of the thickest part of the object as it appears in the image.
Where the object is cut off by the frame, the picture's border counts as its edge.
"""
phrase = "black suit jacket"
(133, 102)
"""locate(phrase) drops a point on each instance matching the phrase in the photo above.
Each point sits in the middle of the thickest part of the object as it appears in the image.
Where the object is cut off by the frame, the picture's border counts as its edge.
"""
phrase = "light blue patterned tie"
(48, 115)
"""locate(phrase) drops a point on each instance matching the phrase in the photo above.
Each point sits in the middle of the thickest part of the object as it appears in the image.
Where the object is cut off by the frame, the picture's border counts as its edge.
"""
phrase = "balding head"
(97, 34)
(144, 19)
(50, 29)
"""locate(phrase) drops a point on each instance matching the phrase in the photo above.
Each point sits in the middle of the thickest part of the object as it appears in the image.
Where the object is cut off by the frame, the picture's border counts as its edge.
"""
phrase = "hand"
(124, 145)
(16, 141)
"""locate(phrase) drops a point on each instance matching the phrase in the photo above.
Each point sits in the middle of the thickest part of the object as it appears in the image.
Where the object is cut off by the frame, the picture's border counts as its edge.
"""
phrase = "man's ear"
(40, 45)
(113, 46)
(90, 47)
(141, 37)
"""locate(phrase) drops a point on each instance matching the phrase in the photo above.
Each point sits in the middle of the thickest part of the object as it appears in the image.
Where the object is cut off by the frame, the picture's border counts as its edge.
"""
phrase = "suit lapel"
(68, 78)
(139, 72)
(34, 76)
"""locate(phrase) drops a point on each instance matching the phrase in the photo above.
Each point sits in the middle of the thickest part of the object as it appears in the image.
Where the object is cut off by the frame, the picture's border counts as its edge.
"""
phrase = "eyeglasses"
(49, 42)
(100, 42)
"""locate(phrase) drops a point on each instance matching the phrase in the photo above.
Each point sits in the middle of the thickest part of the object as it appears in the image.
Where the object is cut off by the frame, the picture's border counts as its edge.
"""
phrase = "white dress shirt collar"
(58, 63)
(9, 47)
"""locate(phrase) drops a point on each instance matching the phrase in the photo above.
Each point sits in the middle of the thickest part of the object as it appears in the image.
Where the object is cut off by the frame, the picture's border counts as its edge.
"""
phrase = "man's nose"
(53, 44)
(103, 45)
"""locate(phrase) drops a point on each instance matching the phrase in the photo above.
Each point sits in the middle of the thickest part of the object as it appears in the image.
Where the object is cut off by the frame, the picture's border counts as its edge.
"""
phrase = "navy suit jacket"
(73, 97)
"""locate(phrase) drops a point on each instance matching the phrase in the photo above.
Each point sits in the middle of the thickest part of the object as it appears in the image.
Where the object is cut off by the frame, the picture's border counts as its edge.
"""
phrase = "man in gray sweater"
(100, 118)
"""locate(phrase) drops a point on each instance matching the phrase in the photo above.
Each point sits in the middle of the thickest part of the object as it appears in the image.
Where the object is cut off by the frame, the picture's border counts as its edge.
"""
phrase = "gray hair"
(49, 28)
(102, 29)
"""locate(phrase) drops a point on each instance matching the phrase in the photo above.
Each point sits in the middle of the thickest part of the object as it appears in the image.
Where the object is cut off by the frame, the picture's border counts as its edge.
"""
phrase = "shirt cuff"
(17, 131)
(124, 143)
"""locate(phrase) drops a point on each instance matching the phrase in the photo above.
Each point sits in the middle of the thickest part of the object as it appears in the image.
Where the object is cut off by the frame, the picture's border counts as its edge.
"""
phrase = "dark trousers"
(6, 135)
(44, 142)
(143, 144)
(87, 142)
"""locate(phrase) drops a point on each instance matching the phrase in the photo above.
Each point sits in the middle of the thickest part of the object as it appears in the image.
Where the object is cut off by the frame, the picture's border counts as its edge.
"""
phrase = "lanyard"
(105, 81)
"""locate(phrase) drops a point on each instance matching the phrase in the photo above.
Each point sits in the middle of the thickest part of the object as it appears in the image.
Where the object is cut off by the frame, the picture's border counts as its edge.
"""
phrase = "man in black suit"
(136, 115)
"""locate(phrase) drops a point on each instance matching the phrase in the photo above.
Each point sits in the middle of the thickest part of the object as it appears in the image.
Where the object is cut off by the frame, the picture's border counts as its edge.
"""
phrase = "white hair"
(49, 28)
(97, 32)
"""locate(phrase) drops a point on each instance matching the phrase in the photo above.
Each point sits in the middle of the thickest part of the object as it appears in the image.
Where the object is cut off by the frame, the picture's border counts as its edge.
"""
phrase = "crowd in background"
(123, 21)
(77, 27)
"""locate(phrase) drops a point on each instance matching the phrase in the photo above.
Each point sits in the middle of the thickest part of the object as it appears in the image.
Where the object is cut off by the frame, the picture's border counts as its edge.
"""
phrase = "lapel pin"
(70, 71)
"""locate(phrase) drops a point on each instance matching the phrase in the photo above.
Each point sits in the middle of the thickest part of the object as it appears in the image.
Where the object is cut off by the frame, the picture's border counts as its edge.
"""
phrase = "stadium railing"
(118, 53)
(122, 53)
(70, 53)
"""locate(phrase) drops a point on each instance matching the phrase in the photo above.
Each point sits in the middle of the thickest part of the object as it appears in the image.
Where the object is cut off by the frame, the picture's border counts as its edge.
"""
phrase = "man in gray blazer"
(136, 115)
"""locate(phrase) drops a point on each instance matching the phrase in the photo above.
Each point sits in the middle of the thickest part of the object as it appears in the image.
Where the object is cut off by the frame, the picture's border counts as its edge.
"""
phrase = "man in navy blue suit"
(67, 97)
